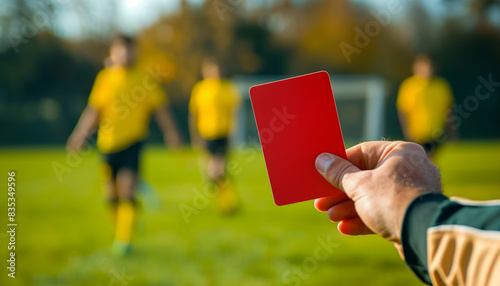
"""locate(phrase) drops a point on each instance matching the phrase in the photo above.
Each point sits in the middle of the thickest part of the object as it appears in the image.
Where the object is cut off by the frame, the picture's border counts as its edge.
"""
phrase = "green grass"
(64, 234)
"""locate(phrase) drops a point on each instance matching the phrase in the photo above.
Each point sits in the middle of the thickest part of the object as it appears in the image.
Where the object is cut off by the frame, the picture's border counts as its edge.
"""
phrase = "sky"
(151, 10)
(130, 15)
(133, 15)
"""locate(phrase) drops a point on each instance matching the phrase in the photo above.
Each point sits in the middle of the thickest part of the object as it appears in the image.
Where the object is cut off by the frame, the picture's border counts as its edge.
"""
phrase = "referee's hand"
(380, 180)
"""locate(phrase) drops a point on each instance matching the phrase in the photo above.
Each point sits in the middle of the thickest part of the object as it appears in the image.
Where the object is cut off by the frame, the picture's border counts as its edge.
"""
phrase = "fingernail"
(323, 162)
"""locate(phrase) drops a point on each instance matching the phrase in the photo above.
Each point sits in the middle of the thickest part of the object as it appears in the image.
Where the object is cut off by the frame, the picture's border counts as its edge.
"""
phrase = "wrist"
(418, 217)
(407, 197)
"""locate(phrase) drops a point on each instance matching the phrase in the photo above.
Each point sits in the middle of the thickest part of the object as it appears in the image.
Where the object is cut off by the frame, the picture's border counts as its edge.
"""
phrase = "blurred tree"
(42, 91)
(464, 55)
(46, 78)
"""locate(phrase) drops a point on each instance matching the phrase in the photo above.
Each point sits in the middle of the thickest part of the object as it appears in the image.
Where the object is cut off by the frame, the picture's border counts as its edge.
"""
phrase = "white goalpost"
(359, 99)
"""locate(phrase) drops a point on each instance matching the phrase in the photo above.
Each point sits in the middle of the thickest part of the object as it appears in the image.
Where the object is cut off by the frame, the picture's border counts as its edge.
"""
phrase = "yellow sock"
(227, 199)
(125, 221)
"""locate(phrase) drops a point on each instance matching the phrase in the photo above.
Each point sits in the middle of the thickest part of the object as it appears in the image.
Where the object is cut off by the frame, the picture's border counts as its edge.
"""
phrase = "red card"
(297, 120)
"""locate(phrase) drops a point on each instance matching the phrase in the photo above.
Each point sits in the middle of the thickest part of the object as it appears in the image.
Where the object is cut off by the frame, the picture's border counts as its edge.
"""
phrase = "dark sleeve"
(440, 234)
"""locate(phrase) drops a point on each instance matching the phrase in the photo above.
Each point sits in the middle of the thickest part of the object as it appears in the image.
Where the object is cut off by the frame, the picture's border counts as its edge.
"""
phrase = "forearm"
(164, 120)
(166, 123)
(193, 130)
(88, 122)
(404, 125)
(451, 127)
(86, 126)
(444, 240)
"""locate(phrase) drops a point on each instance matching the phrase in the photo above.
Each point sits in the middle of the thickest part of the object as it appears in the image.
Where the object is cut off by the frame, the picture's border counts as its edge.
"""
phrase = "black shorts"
(218, 146)
(127, 158)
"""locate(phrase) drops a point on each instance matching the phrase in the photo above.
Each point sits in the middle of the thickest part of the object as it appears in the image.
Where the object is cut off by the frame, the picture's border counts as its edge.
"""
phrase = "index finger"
(367, 155)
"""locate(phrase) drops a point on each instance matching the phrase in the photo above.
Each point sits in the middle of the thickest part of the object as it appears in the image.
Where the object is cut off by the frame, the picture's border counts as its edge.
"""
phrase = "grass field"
(64, 233)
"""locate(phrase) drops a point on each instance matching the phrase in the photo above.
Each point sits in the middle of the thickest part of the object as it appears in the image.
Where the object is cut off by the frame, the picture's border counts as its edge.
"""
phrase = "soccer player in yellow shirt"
(424, 106)
(213, 106)
(121, 104)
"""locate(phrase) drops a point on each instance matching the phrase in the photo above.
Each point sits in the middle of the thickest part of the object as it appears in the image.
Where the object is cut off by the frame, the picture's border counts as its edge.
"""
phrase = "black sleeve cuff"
(419, 216)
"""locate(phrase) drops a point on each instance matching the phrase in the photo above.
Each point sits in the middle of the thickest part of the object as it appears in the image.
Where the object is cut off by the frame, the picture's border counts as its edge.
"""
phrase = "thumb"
(334, 169)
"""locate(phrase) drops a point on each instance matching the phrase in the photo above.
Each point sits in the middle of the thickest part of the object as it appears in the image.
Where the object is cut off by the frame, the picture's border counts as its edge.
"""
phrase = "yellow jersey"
(426, 103)
(214, 103)
(125, 99)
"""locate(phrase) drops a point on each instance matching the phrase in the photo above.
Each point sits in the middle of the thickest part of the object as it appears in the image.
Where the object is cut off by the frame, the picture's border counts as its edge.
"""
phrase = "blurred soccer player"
(424, 105)
(121, 104)
(213, 106)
